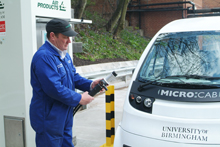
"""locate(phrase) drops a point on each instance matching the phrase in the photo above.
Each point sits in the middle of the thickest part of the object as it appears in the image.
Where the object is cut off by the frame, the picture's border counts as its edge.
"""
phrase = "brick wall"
(198, 3)
(152, 22)
(103, 7)
(211, 3)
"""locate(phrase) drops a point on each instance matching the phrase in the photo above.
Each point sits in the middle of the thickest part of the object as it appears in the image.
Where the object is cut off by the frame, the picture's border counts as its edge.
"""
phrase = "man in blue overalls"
(54, 79)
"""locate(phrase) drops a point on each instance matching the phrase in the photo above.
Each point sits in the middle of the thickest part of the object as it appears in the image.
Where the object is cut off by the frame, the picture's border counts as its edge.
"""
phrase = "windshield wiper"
(141, 87)
(195, 77)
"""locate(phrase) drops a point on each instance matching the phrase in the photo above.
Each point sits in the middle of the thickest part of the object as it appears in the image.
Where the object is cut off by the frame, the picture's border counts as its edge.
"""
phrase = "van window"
(183, 57)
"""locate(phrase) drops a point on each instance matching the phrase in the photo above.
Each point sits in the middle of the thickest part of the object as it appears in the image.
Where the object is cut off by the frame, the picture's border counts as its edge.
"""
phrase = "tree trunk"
(115, 17)
(79, 8)
(121, 22)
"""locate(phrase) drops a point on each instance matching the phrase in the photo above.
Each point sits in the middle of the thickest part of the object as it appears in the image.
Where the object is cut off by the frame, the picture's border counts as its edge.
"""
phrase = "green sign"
(1, 5)
(54, 6)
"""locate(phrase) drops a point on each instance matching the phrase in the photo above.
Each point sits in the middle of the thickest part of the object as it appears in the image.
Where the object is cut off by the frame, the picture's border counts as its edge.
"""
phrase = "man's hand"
(86, 98)
(94, 83)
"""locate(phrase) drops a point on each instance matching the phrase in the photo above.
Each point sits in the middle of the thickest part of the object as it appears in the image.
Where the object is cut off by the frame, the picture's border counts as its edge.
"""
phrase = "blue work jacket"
(54, 81)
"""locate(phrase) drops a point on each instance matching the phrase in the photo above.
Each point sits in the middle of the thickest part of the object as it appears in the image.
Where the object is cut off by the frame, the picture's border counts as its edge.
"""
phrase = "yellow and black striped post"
(110, 117)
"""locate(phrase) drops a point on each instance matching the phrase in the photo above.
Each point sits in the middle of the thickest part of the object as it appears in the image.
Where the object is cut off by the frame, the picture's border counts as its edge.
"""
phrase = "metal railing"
(122, 78)
(121, 72)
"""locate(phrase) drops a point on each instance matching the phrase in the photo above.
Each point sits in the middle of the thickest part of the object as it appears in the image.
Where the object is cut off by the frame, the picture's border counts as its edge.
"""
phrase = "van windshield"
(184, 57)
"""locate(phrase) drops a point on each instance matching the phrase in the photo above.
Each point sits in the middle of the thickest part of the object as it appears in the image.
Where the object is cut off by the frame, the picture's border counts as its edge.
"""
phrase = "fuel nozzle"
(110, 77)
(103, 84)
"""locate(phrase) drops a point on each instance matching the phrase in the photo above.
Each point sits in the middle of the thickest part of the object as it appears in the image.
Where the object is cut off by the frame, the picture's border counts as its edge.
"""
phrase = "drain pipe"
(139, 1)
(162, 9)
(169, 3)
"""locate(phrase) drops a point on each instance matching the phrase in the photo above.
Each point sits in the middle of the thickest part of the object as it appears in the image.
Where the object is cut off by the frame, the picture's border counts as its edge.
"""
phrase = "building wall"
(152, 22)
(198, 3)
(103, 7)
(211, 3)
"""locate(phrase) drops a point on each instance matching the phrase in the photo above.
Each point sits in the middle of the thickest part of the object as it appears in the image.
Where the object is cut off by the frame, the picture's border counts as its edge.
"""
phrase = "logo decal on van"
(189, 94)
(194, 134)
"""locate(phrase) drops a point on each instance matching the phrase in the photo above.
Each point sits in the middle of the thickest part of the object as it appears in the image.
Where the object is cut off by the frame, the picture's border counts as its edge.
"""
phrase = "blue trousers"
(56, 134)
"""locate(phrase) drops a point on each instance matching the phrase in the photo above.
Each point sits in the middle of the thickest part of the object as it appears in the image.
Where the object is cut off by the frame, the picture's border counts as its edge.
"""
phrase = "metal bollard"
(110, 117)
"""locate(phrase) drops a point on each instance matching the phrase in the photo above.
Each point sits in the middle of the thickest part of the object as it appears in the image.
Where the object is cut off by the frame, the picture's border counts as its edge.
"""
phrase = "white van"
(174, 96)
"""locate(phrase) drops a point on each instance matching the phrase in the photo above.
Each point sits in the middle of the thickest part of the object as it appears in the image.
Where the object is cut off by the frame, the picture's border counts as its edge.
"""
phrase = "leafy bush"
(99, 44)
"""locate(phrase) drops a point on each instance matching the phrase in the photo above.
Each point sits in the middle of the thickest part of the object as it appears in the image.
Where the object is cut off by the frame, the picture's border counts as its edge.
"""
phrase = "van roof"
(192, 24)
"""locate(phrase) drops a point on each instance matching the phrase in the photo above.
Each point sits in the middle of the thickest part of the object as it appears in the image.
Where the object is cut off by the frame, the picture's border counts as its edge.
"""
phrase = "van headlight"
(148, 102)
(138, 99)
(141, 102)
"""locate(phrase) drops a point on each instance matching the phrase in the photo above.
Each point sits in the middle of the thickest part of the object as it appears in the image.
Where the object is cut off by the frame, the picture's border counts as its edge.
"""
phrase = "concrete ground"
(89, 126)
